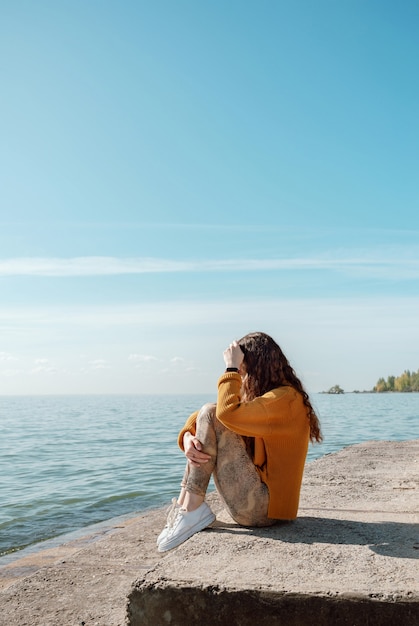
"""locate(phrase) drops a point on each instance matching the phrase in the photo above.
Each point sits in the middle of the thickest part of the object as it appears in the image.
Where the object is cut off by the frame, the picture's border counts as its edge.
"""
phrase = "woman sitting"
(253, 442)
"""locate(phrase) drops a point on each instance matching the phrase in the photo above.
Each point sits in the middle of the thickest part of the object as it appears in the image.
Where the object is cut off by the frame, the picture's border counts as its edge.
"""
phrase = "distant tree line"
(408, 381)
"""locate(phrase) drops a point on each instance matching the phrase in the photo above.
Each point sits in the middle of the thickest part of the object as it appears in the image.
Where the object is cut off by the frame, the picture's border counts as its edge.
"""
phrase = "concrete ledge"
(212, 606)
(350, 558)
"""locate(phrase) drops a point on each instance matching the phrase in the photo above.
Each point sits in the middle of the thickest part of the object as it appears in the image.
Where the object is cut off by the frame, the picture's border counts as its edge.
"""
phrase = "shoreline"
(74, 535)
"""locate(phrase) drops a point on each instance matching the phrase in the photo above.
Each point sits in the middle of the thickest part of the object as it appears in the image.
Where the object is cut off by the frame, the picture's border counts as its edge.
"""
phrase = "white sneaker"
(185, 525)
(171, 516)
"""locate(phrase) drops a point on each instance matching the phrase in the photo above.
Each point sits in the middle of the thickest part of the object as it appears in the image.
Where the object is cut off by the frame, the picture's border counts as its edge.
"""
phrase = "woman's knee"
(207, 411)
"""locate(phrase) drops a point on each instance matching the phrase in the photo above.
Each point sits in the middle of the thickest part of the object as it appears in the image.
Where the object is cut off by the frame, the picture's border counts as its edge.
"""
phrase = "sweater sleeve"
(190, 426)
(263, 416)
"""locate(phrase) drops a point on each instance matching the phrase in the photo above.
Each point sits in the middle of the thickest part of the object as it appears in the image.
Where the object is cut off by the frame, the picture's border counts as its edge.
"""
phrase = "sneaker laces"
(172, 512)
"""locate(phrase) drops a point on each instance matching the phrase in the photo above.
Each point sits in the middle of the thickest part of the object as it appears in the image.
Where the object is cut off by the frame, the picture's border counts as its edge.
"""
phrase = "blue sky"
(176, 174)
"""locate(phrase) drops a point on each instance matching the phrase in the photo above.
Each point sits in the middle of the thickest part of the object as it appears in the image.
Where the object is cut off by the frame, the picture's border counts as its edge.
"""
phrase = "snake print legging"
(237, 481)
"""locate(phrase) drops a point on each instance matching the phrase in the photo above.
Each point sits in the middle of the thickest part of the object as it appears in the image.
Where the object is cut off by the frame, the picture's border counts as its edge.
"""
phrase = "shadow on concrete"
(385, 538)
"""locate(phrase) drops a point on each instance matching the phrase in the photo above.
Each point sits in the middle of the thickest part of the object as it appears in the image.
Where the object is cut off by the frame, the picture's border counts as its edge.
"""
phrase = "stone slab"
(351, 557)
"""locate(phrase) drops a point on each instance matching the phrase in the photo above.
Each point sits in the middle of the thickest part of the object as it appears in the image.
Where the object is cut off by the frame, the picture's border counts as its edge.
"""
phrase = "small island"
(407, 382)
(335, 390)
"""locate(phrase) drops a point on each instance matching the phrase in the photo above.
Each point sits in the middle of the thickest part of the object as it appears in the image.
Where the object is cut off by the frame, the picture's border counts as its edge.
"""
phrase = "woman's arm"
(193, 450)
(190, 426)
(264, 416)
(190, 444)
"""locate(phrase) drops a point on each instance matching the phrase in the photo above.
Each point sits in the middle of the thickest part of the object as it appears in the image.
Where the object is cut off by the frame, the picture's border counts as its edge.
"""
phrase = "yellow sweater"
(279, 424)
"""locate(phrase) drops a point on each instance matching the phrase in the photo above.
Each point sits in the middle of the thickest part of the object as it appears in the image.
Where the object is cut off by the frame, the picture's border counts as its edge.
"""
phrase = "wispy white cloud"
(196, 314)
(11, 372)
(99, 364)
(146, 361)
(6, 356)
(392, 264)
(43, 369)
(142, 358)
(88, 266)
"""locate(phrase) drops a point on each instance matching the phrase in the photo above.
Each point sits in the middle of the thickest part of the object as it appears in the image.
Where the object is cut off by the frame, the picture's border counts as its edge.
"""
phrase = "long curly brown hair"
(266, 368)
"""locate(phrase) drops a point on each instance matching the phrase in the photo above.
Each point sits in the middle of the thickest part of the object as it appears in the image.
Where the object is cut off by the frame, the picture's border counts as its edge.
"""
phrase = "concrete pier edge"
(212, 606)
(351, 557)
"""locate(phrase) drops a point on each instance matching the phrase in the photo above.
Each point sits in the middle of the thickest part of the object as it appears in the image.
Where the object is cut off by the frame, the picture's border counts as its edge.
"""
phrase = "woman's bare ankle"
(192, 501)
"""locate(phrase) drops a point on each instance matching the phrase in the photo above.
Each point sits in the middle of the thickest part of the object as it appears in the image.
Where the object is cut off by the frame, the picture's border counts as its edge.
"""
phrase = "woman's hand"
(193, 450)
(233, 355)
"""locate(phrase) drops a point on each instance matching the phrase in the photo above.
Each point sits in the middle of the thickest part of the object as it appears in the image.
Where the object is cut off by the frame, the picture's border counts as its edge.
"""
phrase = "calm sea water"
(71, 461)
